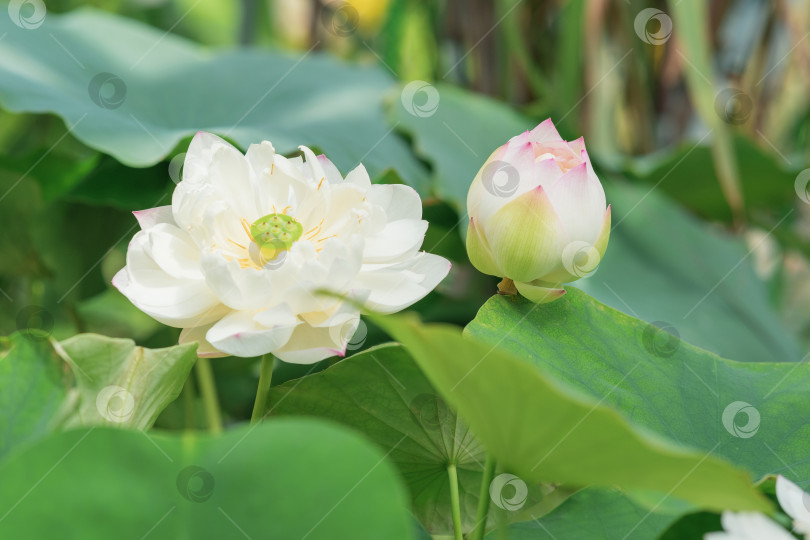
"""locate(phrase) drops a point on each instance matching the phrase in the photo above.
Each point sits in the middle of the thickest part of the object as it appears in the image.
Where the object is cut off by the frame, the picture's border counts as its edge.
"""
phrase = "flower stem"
(265, 377)
(454, 500)
(208, 391)
(483, 500)
(507, 287)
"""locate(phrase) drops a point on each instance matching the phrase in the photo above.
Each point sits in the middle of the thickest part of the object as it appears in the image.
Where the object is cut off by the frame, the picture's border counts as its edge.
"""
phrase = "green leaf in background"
(121, 384)
(747, 413)
(280, 480)
(134, 92)
(595, 514)
(382, 393)
(33, 385)
(664, 265)
(542, 430)
(458, 137)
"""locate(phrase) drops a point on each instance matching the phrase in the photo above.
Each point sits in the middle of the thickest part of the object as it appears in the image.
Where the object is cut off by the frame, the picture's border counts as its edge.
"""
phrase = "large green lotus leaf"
(754, 415)
(135, 92)
(660, 262)
(289, 478)
(382, 393)
(595, 514)
(543, 430)
(33, 386)
(663, 265)
(121, 384)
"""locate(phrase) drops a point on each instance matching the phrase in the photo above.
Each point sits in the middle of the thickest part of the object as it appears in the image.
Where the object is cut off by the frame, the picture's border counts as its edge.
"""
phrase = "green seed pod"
(275, 233)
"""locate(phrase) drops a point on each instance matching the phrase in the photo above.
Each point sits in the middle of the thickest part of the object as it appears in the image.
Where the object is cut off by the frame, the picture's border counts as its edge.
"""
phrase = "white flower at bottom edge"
(755, 526)
(238, 256)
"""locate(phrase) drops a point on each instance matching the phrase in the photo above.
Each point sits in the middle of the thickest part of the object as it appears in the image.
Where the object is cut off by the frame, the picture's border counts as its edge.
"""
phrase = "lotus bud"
(538, 216)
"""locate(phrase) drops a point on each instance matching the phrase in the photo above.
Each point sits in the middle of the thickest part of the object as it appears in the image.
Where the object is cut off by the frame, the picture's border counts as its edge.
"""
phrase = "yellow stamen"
(321, 182)
(236, 244)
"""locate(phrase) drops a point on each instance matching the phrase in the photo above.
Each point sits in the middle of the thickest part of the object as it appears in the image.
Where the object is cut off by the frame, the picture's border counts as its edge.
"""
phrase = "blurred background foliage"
(700, 118)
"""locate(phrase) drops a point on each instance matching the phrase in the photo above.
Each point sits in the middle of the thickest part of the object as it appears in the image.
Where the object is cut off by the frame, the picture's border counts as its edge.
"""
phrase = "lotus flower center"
(274, 234)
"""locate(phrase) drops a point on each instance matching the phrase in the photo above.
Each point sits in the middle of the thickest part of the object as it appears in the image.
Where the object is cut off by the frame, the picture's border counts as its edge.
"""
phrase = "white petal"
(545, 132)
(359, 177)
(309, 344)
(749, 526)
(204, 348)
(153, 216)
(579, 200)
(397, 200)
(397, 286)
(238, 288)
(399, 239)
(332, 173)
(173, 250)
(795, 502)
(239, 334)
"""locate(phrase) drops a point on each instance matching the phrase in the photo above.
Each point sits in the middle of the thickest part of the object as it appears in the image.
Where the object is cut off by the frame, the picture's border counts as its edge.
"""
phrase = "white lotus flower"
(238, 256)
(755, 526)
(538, 214)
